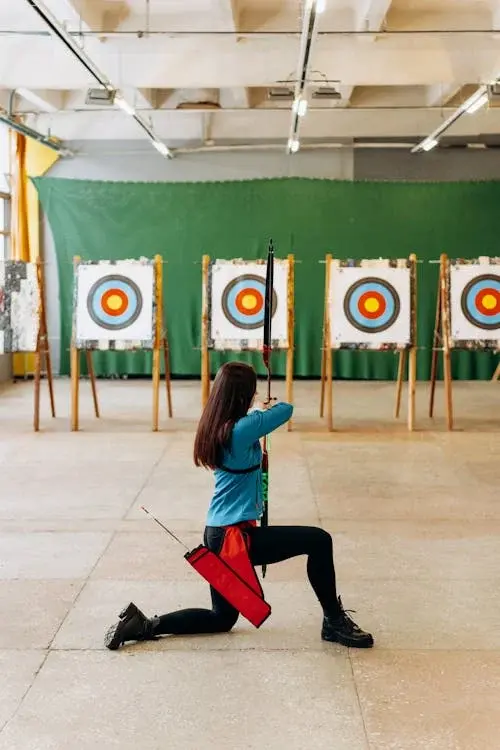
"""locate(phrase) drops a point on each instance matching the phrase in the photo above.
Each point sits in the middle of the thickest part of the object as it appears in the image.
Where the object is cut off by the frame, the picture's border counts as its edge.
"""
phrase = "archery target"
(475, 302)
(243, 301)
(370, 308)
(237, 292)
(114, 303)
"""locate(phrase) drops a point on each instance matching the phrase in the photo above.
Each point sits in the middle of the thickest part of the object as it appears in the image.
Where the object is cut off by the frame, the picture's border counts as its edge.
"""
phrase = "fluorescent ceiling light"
(124, 105)
(429, 144)
(475, 105)
(293, 145)
(161, 148)
(300, 107)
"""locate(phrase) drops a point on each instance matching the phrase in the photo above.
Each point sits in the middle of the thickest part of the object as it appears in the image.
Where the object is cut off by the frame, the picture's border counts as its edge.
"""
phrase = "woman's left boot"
(133, 625)
(340, 628)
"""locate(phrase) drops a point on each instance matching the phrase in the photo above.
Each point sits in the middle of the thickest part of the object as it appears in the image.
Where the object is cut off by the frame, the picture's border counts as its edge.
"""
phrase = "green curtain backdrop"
(182, 221)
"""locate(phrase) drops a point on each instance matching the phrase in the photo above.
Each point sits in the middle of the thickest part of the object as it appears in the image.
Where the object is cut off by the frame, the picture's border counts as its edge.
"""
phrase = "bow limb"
(266, 355)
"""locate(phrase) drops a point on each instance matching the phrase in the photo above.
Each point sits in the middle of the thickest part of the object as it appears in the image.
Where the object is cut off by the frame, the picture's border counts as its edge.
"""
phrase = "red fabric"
(232, 574)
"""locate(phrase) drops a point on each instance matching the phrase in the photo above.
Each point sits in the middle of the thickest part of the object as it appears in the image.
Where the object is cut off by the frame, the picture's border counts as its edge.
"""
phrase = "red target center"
(372, 305)
(488, 301)
(249, 301)
(114, 302)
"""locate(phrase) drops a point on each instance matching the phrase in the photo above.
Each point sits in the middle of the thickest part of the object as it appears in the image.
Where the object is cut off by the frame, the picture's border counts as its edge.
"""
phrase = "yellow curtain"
(19, 219)
(30, 159)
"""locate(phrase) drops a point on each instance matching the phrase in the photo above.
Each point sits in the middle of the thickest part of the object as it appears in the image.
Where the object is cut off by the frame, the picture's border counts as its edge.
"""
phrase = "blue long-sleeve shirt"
(238, 497)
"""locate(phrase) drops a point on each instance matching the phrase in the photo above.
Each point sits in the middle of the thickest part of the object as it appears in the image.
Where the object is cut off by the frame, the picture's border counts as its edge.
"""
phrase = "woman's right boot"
(133, 625)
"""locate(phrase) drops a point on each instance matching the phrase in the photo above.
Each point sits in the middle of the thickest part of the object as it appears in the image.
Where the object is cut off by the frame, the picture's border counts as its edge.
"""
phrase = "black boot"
(133, 625)
(341, 629)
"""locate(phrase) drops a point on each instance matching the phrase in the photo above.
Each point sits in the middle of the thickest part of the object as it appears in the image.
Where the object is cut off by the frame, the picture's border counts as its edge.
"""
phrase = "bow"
(266, 356)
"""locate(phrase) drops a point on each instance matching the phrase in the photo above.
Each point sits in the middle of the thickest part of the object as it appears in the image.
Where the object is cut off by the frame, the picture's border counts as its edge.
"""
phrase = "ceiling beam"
(440, 93)
(230, 11)
(372, 14)
(43, 99)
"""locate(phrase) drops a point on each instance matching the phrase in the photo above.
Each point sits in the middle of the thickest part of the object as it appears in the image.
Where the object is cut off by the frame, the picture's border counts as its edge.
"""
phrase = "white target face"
(475, 302)
(370, 307)
(237, 301)
(114, 305)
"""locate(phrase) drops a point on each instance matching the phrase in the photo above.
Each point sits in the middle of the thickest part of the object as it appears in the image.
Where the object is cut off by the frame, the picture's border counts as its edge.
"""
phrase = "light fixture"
(124, 105)
(60, 32)
(293, 145)
(471, 105)
(300, 107)
(474, 106)
(161, 148)
(429, 144)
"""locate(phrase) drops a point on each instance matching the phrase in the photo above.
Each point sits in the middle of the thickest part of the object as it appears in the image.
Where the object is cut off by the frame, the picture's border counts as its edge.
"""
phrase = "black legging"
(267, 546)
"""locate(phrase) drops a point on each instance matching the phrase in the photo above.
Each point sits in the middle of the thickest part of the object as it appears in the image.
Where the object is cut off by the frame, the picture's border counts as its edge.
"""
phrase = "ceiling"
(200, 72)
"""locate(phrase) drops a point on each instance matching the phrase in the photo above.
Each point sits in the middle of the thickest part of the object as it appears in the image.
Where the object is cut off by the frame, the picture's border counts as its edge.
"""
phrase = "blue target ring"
(114, 302)
(480, 301)
(243, 301)
(372, 305)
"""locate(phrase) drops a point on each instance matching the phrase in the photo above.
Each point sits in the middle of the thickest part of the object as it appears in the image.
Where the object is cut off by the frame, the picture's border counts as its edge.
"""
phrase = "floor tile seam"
(26, 692)
(358, 701)
(112, 536)
(311, 484)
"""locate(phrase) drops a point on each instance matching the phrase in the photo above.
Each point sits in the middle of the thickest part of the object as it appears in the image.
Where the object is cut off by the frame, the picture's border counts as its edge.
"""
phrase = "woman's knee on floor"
(226, 621)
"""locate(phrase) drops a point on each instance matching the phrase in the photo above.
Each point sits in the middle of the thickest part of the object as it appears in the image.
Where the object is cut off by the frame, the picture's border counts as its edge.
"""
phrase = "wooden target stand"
(205, 333)
(160, 344)
(407, 356)
(442, 342)
(43, 361)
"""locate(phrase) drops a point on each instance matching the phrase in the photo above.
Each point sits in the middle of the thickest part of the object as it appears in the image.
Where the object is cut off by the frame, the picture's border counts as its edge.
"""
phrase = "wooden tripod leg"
(435, 342)
(38, 367)
(445, 316)
(496, 374)
(403, 356)
(323, 380)
(205, 323)
(90, 368)
(412, 387)
(412, 355)
(75, 388)
(168, 381)
(50, 379)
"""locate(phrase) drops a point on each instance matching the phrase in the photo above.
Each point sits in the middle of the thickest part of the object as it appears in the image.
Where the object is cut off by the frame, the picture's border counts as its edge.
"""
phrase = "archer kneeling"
(228, 443)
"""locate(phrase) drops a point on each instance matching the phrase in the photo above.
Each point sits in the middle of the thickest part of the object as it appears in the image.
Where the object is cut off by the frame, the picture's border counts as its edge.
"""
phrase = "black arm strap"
(240, 471)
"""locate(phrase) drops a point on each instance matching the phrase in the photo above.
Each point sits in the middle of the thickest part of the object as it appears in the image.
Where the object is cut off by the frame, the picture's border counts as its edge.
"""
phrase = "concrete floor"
(416, 523)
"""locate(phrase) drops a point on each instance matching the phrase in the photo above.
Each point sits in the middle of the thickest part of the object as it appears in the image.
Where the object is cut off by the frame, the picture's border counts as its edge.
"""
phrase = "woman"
(227, 442)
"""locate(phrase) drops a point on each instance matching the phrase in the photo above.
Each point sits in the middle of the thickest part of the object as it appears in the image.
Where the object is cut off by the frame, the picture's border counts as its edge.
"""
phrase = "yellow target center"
(114, 302)
(372, 304)
(489, 301)
(249, 301)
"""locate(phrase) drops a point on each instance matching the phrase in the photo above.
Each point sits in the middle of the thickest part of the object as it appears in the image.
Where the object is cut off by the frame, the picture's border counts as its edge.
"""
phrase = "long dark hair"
(231, 396)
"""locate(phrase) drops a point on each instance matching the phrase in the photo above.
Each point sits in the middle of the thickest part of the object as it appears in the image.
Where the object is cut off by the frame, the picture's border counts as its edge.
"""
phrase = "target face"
(236, 303)
(372, 305)
(114, 302)
(243, 301)
(370, 309)
(481, 301)
(475, 303)
(114, 305)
